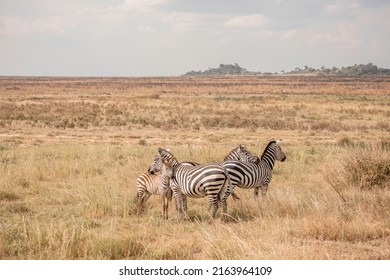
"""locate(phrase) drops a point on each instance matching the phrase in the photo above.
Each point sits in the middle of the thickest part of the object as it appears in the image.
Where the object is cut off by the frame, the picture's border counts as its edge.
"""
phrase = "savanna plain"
(71, 150)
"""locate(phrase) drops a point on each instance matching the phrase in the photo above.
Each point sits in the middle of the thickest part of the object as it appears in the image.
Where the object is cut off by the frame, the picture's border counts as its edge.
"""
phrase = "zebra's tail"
(229, 187)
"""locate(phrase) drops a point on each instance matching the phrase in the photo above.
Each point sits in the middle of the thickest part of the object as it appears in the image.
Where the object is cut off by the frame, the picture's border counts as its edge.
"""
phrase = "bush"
(363, 166)
(368, 167)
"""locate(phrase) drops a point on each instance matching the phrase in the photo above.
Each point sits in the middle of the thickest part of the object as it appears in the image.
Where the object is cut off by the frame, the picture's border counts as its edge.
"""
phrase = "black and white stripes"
(242, 154)
(211, 180)
(256, 174)
(216, 181)
(157, 184)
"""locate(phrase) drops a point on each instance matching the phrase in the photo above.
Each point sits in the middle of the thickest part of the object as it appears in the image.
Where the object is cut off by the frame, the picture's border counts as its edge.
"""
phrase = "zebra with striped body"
(211, 180)
(157, 184)
(242, 154)
(256, 174)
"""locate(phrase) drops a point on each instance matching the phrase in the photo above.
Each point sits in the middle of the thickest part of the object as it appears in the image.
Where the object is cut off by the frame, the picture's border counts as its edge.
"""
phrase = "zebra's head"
(245, 156)
(156, 165)
(168, 160)
(273, 152)
(279, 155)
(166, 156)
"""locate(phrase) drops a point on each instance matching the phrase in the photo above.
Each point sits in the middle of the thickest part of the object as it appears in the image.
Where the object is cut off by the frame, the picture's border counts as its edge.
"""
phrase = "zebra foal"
(156, 184)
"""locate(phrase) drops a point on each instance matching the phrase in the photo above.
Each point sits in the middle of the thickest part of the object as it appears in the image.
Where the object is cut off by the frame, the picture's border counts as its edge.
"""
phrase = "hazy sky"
(171, 37)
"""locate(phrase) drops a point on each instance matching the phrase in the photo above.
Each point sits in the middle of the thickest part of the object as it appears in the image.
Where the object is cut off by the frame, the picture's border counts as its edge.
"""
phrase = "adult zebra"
(157, 184)
(242, 154)
(211, 180)
(255, 174)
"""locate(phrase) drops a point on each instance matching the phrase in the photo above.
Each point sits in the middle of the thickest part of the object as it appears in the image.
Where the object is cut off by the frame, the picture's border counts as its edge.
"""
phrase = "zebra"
(242, 154)
(157, 184)
(256, 174)
(211, 180)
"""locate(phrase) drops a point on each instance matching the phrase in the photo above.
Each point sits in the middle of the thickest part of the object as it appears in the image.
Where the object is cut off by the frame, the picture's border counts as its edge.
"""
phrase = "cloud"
(225, 40)
(181, 21)
(18, 26)
(145, 29)
(248, 21)
(140, 5)
(264, 33)
(289, 34)
(342, 8)
(343, 37)
(333, 8)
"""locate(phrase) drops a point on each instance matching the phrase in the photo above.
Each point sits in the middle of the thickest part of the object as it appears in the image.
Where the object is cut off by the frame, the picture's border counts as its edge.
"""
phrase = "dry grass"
(72, 148)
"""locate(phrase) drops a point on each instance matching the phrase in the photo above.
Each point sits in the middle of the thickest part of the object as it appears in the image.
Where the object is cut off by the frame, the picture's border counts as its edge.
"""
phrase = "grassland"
(72, 148)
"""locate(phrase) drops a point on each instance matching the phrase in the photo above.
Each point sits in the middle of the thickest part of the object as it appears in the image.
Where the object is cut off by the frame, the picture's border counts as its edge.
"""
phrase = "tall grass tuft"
(363, 167)
(369, 167)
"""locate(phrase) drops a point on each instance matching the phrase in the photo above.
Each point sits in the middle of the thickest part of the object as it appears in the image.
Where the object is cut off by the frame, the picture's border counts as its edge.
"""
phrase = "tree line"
(236, 70)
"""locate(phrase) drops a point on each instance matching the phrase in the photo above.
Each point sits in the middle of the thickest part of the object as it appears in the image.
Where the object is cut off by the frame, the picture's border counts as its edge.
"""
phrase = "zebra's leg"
(178, 201)
(184, 204)
(223, 195)
(168, 198)
(165, 205)
(146, 196)
(214, 203)
(142, 199)
(224, 210)
(214, 207)
(140, 195)
(139, 204)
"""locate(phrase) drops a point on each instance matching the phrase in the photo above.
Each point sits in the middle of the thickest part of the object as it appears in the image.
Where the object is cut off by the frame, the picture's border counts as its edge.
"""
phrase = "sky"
(172, 37)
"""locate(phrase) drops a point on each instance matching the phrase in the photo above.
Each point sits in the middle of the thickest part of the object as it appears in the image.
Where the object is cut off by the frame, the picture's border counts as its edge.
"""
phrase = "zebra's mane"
(236, 149)
(174, 159)
(266, 148)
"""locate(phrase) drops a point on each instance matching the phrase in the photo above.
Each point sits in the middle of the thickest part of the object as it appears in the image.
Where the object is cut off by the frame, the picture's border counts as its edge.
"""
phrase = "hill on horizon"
(236, 70)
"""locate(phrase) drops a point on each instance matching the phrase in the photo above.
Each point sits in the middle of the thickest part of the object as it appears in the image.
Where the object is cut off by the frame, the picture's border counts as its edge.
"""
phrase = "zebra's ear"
(242, 146)
(279, 141)
(159, 150)
(167, 149)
